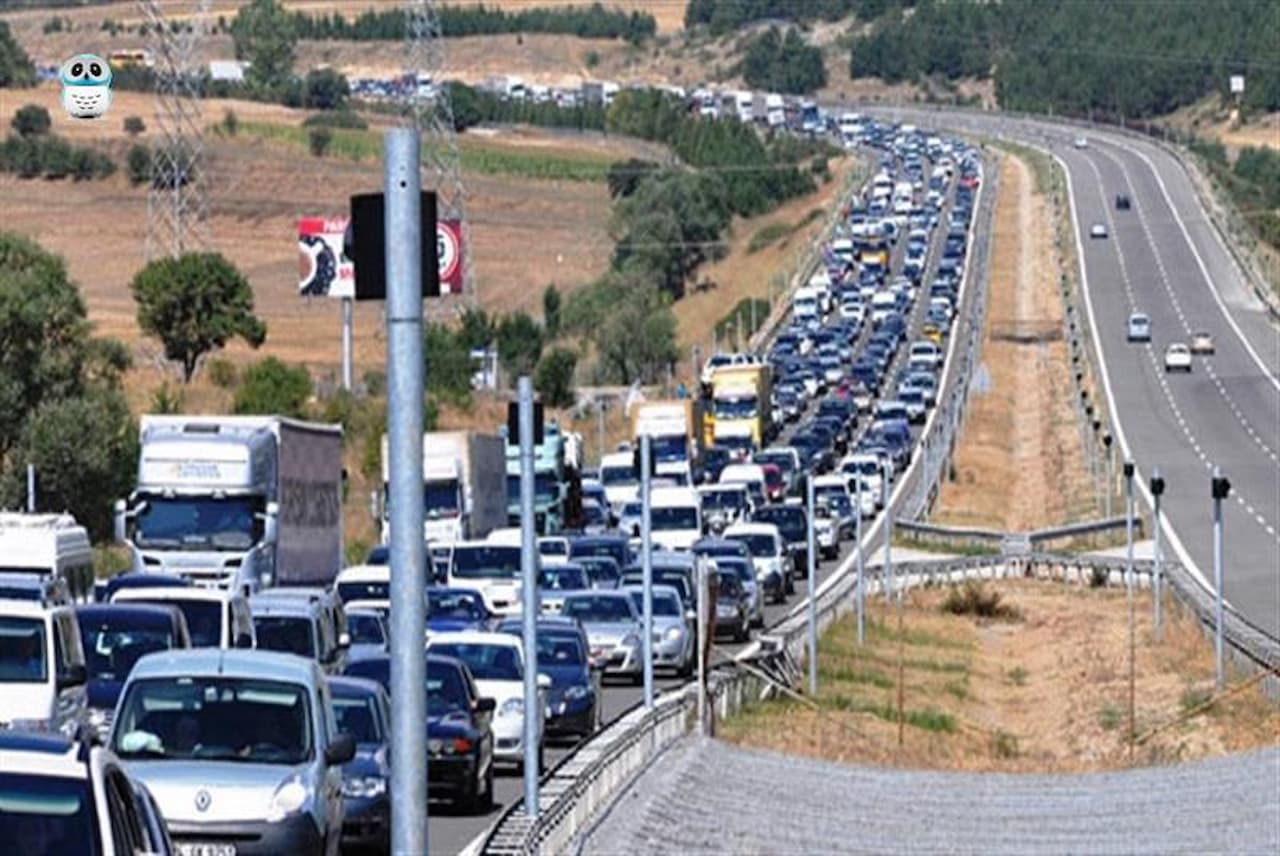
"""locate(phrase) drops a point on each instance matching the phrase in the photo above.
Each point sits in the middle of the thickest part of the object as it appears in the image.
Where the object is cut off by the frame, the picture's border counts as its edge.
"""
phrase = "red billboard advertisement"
(449, 252)
(323, 270)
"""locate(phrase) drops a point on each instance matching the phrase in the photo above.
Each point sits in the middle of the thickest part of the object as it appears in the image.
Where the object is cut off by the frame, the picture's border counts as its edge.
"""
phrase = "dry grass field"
(1020, 464)
(1044, 692)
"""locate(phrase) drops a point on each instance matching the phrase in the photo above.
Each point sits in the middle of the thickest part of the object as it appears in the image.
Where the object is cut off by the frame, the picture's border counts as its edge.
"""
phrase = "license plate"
(200, 848)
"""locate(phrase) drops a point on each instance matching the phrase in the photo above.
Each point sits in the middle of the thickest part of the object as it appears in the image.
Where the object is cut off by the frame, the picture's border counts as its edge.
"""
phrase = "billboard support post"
(346, 343)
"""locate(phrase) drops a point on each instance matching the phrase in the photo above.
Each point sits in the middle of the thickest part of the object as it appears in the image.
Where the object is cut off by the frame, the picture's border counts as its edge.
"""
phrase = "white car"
(496, 661)
(1202, 343)
(1177, 358)
(1098, 230)
(1082, 142)
(1139, 328)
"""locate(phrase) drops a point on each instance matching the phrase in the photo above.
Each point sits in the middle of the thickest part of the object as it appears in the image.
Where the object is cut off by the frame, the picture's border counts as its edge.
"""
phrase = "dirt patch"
(1020, 465)
(1046, 693)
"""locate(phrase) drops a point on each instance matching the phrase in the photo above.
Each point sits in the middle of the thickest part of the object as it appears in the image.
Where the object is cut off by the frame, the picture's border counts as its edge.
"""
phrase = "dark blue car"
(573, 702)
(450, 610)
(459, 730)
(616, 547)
(114, 637)
(362, 709)
(104, 591)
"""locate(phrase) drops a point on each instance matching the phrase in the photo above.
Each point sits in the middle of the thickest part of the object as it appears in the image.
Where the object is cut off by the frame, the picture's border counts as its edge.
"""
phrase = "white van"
(365, 587)
(675, 517)
(216, 618)
(51, 545)
(805, 305)
(42, 668)
(618, 474)
(883, 304)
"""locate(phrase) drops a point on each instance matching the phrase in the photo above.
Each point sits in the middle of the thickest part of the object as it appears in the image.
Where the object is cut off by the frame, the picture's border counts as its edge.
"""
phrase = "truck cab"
(675, 516)
(236, 501)
(52, 546)
(549, 480)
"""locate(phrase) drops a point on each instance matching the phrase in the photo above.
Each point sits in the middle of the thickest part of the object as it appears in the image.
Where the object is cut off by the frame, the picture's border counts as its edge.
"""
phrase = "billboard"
(1237, 84)
(324, 271)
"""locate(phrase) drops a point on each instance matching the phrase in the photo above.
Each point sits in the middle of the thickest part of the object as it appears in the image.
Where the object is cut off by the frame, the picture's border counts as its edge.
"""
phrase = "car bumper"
(366, 821)
(450, 777)
(294, 834)
(508, 738)
(669, 654)
(620, 661)
(573, 721)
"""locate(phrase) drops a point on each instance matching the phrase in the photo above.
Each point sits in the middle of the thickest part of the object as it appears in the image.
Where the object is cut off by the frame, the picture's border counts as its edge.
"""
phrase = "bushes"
(783, 64)
(15, 65)
(341, 118)
(318, 140)
(138, 164)
(973, 598)
(31, 120)
(133, 125)
(52, 157)
(273, 387)
(588, 22)
(554, 377)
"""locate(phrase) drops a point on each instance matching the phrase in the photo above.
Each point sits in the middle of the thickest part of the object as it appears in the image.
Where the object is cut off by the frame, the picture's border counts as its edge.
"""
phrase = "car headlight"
(512, 707)
(577, 692)
(290, 797)
(364, 787)
(630, 640)
(674, 633)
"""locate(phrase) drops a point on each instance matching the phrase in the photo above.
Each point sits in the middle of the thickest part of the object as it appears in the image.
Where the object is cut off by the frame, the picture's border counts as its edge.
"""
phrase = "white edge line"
(1204, 270)
(1141, 483)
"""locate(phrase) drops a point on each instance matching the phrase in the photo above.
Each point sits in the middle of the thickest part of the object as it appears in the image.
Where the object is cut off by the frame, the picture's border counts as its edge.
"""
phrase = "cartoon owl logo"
(86, 86)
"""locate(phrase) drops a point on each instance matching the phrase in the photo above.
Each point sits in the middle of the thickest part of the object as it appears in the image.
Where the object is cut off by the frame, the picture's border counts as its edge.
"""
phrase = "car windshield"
(601, 570)
(440, 499)
(545, 488)
(358, 716)
(760, 545)
(486, 562)
(745, 407)
(741, 568)
(488, 662)
(615, 476)
(673, 518)
(366, 590)
(366, 629)
(598, 609)
(560, 649)
(664, 603)
(22, 647)
(215, 719)
(727, 584)
(790, 521)
(466, 605)
(204, 621)
(287, 633)
(724, 500)
(563, 578)
(446, 689)
(47, 814)
(673, 447)
(185, 522)
(112, 647)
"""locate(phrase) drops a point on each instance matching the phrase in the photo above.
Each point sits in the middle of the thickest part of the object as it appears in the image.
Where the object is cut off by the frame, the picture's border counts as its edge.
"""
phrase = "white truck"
(674, 428)
(245, 502)
(464, 483)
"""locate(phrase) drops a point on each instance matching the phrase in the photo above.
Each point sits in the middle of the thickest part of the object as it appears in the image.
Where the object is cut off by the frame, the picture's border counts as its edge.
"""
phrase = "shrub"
(230, 122)
(222, 373)
(343, 118)
(973, 598)
(273, 387)
(133, 125)
(554, 377)
(138, 164)
(167, 400)
(318, 140)
(31, 120)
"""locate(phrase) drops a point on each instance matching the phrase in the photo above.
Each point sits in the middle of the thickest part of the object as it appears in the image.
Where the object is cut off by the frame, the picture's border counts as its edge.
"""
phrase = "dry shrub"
(974, 598)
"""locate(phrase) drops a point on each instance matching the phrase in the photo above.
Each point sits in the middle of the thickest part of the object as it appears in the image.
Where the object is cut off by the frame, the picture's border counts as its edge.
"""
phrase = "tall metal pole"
(1111, 478)
(1157, 488)
(646, 558)
(813, 587)
(346, 342)
(1220, 489)
(529, 597)
(31, 488)
(704, 602)
(857, 546)
(1128, 576)
(405, 372)
(888, 535)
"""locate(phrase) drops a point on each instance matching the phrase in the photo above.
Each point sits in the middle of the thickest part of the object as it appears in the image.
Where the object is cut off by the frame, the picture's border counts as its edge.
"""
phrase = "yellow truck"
(742, 404)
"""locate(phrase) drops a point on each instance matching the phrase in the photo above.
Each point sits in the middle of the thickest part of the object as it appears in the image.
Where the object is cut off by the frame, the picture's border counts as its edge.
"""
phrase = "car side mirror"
(271, 523)
(243, 640)
(544, 682)
(340, 750)
(72, 676)
(690, 615)
(485, 704)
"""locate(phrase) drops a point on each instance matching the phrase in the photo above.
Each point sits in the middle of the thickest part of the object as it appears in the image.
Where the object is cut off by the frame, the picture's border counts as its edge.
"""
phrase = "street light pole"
(1128, 576)
(1111, 479)
(529, 598)
(857, 546)
(646, 553)
(1157, 488)
(813, 587)
(888, 534)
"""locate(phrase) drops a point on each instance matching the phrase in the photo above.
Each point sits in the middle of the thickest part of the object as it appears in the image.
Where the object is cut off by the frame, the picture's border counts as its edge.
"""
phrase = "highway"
(1164, 257)
(450, 832)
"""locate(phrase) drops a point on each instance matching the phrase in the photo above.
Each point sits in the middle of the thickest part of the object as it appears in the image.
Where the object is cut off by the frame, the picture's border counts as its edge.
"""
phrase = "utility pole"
(1111, 479)
(1128, 576)
(1157, 488)
(888, 533)
(1220, 489)
(529, 595)
(403, 228)
(857, 546)
(812, 560)
(646, 554)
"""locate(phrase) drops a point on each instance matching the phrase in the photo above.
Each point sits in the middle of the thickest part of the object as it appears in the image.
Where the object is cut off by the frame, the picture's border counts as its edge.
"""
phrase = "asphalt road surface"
(1165, 258)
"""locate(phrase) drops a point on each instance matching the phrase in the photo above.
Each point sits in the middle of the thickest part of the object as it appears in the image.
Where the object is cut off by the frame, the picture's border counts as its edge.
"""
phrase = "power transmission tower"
(177, 205)
(426, 104)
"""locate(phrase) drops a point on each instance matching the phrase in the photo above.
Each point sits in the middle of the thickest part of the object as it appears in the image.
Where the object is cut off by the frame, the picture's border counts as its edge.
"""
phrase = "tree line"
(777, 63)
(31, 151)
(1129, 60)
(721, 16)
(1252, 181)
(587, 22)
(472, 106)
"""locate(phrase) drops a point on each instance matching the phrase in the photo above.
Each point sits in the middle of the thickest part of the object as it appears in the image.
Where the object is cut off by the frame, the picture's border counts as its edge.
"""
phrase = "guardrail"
(933, 532)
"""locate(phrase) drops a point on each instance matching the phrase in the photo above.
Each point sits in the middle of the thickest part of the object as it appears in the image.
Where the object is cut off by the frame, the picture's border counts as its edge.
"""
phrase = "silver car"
(673, 644)
(613, 630)
(239, 748)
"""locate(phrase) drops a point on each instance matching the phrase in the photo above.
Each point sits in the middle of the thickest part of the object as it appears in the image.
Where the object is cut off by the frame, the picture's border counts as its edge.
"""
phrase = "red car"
(775, 486)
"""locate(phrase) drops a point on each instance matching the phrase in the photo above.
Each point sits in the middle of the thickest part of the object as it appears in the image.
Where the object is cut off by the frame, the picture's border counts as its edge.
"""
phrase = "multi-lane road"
(1164, 257)
(450, 832)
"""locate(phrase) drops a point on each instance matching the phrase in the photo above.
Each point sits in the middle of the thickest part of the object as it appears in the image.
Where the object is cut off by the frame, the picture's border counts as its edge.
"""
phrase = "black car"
(363, 710)
(459, 730)
(564, 655)
(1122, 202)
(793, 526)
(114, 637)
(616, 547)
